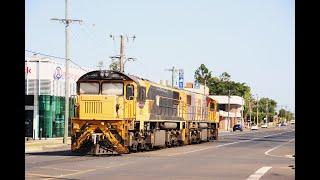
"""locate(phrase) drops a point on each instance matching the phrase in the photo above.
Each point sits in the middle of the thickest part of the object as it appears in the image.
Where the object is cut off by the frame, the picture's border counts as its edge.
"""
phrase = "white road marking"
(76, 173)
(289, 156)
(237, 134)
(36, 174)
(116, 165)
(276, 134)
(190, 151)
(237, 142)
(58, 168)
(106, 167)
(212, 147)
(267, 152)
(225, 144)
(259, 173)
(62, 175)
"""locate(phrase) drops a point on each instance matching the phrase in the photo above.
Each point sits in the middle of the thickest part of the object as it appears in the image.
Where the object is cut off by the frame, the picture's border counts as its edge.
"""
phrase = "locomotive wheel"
(141, 147)
(149, 147)
(134, 147)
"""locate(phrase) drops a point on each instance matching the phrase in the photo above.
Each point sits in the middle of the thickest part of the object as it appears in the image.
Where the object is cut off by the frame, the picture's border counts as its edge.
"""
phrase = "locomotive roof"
(116, 75)
(106, 75)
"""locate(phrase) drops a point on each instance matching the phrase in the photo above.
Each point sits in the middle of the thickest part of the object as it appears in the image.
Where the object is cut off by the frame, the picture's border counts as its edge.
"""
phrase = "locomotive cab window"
(112, 88)
(129, 92)
(89, 88)
(212, 107)
(142, 94)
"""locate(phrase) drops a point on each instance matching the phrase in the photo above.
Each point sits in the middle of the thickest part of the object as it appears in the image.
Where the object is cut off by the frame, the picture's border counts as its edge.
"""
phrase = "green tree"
(282, 113)
(202, 74)
(262, 109)
(224, 76)
(270, 109)
(290, 116)
(221, 86)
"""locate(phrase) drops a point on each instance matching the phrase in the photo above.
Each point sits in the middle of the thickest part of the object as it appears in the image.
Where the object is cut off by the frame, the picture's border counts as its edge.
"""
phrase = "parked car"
(264, 126)
(284, 124)
(254, 127)
(292, 121)
(237, 127)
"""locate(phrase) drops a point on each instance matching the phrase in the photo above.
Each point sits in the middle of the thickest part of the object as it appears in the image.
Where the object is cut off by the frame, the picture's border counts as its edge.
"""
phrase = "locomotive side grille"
(93, 107)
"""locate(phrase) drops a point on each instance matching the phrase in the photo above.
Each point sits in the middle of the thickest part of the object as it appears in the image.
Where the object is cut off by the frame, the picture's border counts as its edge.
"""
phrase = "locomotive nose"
(100, 108)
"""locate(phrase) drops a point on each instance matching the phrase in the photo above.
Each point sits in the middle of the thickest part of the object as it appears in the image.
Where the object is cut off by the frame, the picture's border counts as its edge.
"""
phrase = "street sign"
(196, 84)
(181, 78)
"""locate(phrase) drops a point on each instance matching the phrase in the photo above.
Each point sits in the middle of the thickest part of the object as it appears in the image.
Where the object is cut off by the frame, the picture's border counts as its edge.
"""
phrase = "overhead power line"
(43, 54)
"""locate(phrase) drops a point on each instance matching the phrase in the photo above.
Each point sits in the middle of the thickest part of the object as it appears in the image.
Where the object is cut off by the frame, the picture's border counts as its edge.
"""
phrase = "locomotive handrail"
(130, 109)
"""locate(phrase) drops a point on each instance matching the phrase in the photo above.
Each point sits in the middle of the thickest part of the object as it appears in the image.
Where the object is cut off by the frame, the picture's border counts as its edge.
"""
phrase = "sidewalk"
(46, 145)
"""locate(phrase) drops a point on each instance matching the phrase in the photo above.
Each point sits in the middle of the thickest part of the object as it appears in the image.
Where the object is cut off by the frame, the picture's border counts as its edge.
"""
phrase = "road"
(265, 154)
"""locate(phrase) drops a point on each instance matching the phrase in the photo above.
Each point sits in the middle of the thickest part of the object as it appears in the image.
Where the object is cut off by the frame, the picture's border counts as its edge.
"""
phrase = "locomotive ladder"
(118, 147)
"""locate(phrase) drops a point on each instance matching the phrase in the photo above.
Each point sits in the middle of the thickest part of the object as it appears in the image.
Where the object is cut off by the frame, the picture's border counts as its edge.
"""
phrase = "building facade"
(235, 114)
(45, 96)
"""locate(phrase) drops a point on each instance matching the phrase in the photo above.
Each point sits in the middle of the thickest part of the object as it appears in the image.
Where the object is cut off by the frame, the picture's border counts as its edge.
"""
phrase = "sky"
(252, 40)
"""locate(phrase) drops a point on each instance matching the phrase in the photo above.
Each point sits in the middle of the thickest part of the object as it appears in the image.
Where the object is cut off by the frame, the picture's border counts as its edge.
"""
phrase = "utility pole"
(173, 71)
(267, 112)
(204, 88)
(66, 21)
(286, 114)
(250, 112)
(257, 109)
(204, 93)
(121, 53)
(228, 110)
(122, 58)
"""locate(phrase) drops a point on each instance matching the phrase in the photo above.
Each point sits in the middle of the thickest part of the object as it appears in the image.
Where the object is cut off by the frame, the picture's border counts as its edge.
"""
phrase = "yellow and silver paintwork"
(100, 110)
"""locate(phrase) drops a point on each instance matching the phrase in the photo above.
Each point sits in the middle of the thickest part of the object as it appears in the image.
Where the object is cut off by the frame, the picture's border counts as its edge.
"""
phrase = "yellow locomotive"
(120, 113)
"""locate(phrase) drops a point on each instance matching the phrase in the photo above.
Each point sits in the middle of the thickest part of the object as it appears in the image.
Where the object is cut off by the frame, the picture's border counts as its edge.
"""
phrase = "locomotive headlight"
(101, 73)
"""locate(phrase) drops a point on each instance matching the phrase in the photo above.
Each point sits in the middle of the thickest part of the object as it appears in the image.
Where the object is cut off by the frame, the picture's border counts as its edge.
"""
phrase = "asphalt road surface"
(266, 154)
